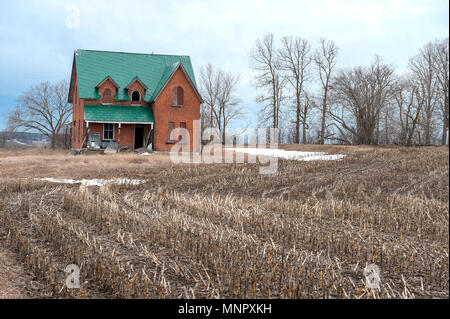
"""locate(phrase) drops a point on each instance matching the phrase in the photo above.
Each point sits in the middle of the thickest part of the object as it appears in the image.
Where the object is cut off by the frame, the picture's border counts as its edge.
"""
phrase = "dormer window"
(135, 96)
(136, 89)
(177, 96)
(107, 96)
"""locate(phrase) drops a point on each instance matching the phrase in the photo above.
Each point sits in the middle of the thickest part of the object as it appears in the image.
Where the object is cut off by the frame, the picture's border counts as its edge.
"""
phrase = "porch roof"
(118, 113)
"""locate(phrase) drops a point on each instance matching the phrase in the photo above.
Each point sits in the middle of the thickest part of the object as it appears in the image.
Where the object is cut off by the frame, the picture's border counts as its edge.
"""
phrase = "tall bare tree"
(228, 101)
(359, 95)
(295, 59)
(307, 105)
(264, 60)
(209, 86)
(409, 103)
(325, 59)
(219, 94)
(441, 64)
(422, 66)
(43, 108)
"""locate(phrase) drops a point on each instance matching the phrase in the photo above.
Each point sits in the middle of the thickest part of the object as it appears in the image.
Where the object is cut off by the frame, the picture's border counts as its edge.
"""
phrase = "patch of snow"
(19, 142)
(93, 182)
(290, 155)
(145, 154)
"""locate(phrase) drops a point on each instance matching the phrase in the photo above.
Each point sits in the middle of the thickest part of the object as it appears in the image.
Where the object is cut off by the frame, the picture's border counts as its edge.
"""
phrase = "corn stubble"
(224, 231)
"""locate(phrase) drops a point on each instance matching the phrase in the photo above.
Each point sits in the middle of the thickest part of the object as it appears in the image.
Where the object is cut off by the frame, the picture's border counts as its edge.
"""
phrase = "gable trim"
(105, 79)
(72, 81)
(136, 78)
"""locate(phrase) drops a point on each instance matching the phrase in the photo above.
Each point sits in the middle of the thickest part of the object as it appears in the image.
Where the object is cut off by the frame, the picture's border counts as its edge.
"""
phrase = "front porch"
(128, 126)
(131, 135)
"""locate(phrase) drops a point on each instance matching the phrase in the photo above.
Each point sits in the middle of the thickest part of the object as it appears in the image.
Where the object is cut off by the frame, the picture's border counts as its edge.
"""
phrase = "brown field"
(224, 230)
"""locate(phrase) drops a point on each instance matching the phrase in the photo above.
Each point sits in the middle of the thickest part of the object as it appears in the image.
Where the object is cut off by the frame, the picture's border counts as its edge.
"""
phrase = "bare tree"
(228, 101)
(43, 108)
(422, 66)
(307, 106)
(6, 135)
(360, 94)
(209, 86)
(219, 94)
(264, 60)
(204, 117)
(409, 102)
(325, 59)
(295, 59)
(441, 65)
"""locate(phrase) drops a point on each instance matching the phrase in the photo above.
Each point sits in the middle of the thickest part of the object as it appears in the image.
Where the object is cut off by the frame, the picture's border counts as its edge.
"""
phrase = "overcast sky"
(37, 38)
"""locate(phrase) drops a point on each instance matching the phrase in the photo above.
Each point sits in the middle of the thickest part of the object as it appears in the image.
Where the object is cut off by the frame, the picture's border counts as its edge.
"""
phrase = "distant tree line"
(312, 101)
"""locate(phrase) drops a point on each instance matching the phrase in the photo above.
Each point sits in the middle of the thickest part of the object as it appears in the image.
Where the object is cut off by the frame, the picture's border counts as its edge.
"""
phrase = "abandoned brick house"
(133, 99)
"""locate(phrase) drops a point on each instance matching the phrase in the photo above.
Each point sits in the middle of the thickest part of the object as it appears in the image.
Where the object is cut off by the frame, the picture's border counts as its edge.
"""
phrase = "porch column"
(86, 135)
(118, 137)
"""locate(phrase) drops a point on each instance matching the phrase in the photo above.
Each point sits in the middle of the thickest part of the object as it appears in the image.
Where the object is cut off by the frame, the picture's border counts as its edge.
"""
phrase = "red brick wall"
(78, 125)
(164, 112)
(127, 135)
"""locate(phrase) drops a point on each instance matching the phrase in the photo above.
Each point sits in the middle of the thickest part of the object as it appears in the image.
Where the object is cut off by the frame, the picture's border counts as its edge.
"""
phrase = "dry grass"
(224, 231)
(48, 163)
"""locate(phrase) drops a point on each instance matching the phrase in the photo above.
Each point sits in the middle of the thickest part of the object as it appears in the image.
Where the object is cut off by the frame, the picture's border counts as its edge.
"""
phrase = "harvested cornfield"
(225, 231)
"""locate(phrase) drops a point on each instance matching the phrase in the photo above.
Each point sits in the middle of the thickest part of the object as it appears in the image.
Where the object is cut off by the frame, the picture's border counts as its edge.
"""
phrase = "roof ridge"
(140, 53)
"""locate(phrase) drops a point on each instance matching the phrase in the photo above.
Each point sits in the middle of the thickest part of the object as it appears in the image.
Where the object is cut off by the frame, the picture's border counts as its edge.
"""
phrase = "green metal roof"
(153, 70)
(118, 113)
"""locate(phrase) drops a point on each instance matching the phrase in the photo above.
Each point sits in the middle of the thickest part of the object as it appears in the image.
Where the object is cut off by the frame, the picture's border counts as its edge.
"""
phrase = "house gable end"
(179, 68)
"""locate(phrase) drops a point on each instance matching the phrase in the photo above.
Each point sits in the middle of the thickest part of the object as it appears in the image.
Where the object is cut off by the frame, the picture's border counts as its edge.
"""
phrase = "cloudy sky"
(37, 38)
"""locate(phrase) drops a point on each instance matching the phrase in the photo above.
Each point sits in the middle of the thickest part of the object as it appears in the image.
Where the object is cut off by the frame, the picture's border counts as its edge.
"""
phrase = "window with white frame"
(108, 131)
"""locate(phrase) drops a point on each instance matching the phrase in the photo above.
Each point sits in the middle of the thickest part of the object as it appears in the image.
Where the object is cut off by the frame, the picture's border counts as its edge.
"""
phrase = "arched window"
(135, 96)
(107, 96)
(177, 96)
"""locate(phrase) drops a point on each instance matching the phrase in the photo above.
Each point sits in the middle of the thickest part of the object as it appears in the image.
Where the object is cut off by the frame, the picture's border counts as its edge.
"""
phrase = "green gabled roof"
(118, 113)
(153, 70)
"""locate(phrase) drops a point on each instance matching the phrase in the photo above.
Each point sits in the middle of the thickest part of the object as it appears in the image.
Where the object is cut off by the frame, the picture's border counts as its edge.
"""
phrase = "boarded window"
(135, 96)
(177, 96)
(182, 125)
(107, 96)
(108, 131)
(170, 128)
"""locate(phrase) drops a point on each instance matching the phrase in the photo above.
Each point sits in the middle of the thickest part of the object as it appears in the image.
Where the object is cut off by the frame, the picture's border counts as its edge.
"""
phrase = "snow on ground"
(290, 155)
(93, 182)
(18, 142)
